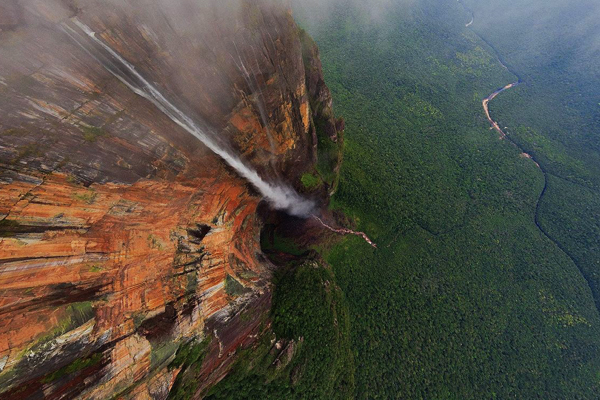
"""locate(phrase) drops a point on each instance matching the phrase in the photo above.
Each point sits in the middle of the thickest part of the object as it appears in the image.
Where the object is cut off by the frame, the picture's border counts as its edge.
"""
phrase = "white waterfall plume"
(278, 195)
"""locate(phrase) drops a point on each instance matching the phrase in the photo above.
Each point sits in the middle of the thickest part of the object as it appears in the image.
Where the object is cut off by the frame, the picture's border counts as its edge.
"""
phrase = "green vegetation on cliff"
(189, 358)
(308, 355)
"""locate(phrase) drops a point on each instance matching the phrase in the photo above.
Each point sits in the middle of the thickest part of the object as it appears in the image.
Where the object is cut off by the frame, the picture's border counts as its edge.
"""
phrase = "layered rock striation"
(122, 238)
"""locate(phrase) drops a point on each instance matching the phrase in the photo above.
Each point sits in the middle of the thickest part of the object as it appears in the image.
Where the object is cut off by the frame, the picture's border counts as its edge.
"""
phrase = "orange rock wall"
(118, 230)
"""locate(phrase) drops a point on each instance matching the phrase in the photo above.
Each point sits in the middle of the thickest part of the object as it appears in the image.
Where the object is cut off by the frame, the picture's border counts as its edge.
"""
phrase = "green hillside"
(466, 297)
(482, 284)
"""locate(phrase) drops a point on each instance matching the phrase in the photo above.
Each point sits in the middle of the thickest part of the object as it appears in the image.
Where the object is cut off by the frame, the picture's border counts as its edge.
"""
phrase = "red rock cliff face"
(121, 235)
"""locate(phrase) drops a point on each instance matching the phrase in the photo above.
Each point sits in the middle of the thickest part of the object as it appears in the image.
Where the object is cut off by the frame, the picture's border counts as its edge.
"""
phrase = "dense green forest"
(555, 114)
(466, 297)
(481, 286)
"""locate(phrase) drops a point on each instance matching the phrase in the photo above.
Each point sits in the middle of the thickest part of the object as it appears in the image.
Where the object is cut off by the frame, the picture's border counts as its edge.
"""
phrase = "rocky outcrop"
(121, 236)
(321, 100)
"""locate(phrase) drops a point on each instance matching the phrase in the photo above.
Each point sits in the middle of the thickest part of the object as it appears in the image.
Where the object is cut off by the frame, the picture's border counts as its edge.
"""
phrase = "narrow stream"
(344, 231)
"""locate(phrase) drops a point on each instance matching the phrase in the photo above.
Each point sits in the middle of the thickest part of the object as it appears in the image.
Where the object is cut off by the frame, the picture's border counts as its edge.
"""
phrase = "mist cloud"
(315, 13)
(184, 30)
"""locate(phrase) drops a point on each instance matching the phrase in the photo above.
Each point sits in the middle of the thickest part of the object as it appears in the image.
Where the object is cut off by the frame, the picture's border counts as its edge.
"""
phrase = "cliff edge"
(127, 248)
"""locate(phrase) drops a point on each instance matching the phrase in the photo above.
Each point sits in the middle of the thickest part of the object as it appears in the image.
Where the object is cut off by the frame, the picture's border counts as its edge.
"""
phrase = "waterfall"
(279, 195)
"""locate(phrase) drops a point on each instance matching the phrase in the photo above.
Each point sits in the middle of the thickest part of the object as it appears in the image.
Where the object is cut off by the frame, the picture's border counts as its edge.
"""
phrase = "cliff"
(128, 250)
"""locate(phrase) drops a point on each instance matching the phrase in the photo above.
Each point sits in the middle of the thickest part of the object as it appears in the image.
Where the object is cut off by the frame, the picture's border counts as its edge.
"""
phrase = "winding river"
(495, 126)
(486, 108)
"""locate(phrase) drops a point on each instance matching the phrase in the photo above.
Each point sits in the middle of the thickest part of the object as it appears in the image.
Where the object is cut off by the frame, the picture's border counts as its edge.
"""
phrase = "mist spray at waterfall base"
(279, 195)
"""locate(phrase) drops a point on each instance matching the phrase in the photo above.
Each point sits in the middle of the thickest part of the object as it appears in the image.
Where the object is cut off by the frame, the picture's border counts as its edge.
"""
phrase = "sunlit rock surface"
(119, 232)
